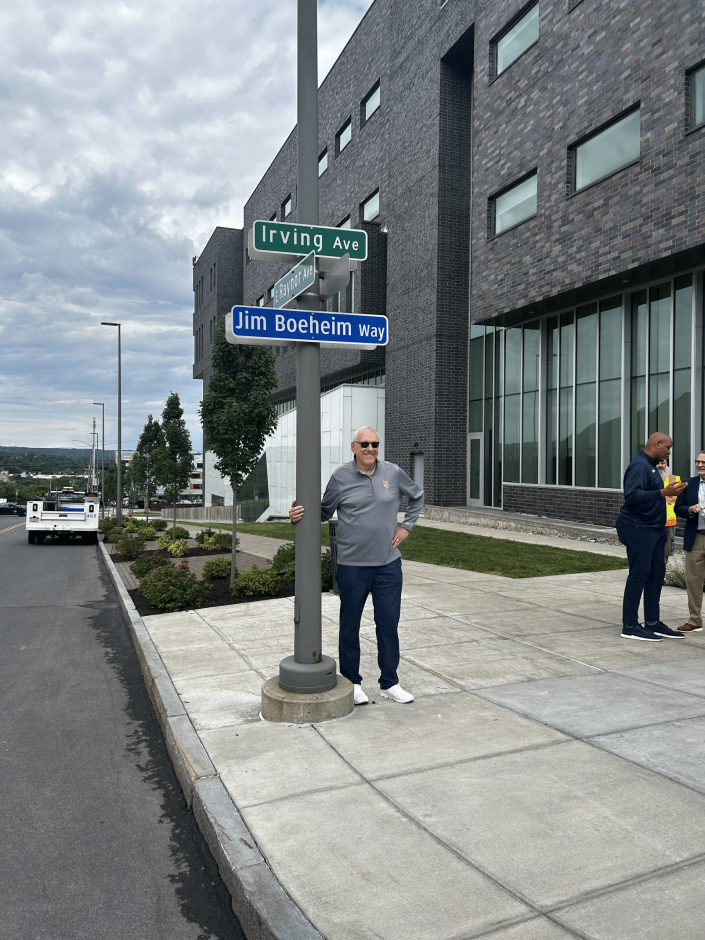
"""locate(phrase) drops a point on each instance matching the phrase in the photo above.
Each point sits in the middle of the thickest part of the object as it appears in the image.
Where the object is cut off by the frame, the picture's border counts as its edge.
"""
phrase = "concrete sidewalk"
(548, 782)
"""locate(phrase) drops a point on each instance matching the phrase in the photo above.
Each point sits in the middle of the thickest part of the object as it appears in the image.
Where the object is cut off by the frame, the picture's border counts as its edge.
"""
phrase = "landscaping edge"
(264, 909)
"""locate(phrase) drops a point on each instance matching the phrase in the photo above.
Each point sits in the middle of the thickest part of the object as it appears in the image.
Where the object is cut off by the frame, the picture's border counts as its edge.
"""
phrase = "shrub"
(675, 572)
(171, 588)
(105, 525)
(164, 541)
(148, 562)
(158, 524)
(182, 533)
(217, 568)
(130, 547)
(285, 561)
(178, 549)
(218, 542)
(147, 533)
(256, 583)
(130, 526)
(204, 534)
(113, 536)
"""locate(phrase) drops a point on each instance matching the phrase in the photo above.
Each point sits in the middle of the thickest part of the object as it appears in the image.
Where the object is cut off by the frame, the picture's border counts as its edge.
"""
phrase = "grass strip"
(480, 553)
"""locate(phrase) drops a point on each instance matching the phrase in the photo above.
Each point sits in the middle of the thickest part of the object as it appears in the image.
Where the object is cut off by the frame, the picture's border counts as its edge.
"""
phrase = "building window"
(343, 137)
(215, 281)
(286, 207)
(323, 162)
(370, 207)
(515, 40)
(514, 205)
(369, 105)
(260, 301)
(607, 151)
(345, 223)
(273, 218)
(530, 404)
(696, 88)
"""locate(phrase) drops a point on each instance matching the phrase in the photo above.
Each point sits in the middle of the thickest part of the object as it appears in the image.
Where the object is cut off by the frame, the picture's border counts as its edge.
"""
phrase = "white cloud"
(129, 131)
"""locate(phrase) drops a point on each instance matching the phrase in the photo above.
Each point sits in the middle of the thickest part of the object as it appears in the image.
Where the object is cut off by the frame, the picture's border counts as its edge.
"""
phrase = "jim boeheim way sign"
(267, 326)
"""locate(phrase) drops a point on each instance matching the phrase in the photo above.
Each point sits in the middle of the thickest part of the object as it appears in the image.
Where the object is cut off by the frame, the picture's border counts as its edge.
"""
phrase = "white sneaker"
(397, 694)
(359, 697)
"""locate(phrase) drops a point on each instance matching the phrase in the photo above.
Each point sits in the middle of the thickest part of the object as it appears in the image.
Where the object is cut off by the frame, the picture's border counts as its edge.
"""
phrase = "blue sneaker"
(639, 633)
(662, 630)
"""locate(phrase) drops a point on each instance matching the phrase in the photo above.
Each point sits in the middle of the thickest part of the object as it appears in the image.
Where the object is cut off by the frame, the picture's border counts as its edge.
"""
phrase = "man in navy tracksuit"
(641, 527)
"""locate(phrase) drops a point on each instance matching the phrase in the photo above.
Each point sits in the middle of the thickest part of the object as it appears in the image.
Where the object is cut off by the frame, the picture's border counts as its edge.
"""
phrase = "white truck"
(63, 514)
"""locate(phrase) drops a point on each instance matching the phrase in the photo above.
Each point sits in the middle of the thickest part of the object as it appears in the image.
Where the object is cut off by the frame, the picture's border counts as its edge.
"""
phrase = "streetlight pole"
(102, 463)
(118, 508)
(308, 671)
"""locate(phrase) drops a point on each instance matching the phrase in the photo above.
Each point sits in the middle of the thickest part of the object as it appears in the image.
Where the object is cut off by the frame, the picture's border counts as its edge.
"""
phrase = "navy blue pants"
(645, 547)
(355, 584)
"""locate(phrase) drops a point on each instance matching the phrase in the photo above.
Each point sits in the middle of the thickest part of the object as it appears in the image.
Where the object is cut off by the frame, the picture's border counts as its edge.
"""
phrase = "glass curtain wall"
(610, 394)
(552, 401)
(586, 395)
(512, 406)
(682, 458)
(530, 417)
(485, 390)
(489, 407)
(565, 416)
(638, 359)
(659, 358)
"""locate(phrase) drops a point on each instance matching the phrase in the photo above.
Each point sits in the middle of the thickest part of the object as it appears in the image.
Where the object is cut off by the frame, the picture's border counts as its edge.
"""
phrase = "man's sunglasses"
(365, 444)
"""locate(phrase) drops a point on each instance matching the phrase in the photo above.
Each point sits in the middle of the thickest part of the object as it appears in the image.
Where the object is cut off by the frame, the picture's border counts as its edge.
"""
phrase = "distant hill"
(58, 460)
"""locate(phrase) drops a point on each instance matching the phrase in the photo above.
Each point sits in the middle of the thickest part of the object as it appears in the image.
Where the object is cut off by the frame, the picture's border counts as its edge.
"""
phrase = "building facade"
(531, 176)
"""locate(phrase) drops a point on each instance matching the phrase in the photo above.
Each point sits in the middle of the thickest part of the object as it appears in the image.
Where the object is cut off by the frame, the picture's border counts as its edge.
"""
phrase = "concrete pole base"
(295, 708)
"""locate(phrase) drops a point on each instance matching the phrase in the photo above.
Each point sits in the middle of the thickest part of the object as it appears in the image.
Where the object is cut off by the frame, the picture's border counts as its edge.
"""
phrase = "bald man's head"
(659, 446)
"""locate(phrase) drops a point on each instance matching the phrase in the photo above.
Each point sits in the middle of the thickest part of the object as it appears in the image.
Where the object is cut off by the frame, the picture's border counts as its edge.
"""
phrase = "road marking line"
(12, 527)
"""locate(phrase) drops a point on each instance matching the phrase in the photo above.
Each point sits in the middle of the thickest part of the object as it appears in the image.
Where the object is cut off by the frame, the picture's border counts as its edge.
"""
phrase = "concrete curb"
(264, 909)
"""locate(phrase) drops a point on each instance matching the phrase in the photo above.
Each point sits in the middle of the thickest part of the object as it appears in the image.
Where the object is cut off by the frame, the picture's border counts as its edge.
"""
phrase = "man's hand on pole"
(399, 536)
(296, 513)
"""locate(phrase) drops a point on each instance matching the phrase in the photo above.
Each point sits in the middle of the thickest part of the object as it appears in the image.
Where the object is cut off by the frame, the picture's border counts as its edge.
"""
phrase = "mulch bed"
(191, 553)
(217, 594)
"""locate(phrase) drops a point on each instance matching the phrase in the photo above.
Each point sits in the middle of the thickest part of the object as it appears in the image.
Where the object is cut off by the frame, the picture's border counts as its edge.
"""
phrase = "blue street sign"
(268, 326)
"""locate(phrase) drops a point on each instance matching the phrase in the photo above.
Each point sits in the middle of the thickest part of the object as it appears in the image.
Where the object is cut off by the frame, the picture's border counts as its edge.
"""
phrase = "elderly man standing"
(366, 493)
(641, 527)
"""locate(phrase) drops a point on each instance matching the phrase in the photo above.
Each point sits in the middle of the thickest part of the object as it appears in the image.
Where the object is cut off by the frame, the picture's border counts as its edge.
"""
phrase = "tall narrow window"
(498, 392)
(513, 206)
(610, 418)
(477, 339)
(696, 83)
(489, 382)
(585, 395)
(512, 406)
(286, 207)
(516, 40)
(682, 344)
(608, 150)
(343, 137)
(323, 162)
(659, 358)
(530, 422)
(345, 223)
(370, 104)
(637, 436)
(552, 402)
(370, 207)
(565, 402)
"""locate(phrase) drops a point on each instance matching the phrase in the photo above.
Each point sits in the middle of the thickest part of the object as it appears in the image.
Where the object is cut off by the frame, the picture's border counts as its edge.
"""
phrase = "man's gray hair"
(365, 427)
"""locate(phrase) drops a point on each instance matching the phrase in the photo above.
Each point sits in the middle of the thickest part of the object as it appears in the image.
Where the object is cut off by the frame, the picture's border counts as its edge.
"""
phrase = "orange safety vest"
(671, 500)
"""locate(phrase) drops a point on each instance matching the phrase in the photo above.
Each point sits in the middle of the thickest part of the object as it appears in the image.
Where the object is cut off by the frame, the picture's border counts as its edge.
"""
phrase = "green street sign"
(295, 282)
(288, 238)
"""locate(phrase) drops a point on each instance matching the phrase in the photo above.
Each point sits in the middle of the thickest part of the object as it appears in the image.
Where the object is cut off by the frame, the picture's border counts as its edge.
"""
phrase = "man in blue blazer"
(641, 527)
(690, 506)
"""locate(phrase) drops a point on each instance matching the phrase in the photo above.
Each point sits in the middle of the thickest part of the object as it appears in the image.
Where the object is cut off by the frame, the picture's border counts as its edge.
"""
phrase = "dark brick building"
(531, 178)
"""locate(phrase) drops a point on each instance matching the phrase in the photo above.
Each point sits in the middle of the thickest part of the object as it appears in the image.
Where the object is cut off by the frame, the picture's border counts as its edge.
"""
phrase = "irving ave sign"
(267, 326)
(288, 238)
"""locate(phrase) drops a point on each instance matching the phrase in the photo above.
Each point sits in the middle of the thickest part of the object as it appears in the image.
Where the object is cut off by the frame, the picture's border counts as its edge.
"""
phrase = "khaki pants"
(694, 577)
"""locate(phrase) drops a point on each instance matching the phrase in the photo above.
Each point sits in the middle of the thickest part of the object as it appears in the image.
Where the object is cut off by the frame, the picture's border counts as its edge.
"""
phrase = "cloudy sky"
(128, 131)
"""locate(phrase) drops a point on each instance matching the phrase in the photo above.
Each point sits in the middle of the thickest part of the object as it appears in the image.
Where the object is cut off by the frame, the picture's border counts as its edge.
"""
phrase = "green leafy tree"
(172, 457)
(237, 413)
(144, 460)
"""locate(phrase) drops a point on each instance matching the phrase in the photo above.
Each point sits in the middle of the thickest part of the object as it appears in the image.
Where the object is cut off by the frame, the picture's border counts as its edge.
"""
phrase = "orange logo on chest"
(386, 485)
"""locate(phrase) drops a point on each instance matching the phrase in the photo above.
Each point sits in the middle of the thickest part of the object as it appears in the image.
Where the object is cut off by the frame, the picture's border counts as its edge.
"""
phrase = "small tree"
(237, 413)
(172, 457)
(144, 460)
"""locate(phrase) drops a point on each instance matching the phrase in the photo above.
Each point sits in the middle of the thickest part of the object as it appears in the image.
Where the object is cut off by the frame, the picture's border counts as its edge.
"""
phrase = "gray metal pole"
(308, 670)
(102, 463)
(118, 508)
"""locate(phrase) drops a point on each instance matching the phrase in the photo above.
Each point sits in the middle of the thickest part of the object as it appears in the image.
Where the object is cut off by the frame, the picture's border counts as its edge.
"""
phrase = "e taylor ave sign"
(288, 238)
(267, 326)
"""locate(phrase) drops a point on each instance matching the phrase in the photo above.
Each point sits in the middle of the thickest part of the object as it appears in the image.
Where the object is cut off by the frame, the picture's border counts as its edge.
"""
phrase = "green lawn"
(470, 552)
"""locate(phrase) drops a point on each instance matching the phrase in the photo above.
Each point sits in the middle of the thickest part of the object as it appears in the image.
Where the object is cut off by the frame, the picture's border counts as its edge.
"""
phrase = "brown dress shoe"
(689, 628)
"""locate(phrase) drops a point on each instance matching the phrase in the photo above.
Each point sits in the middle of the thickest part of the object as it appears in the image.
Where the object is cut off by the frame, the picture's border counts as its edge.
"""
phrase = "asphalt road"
(96, 840)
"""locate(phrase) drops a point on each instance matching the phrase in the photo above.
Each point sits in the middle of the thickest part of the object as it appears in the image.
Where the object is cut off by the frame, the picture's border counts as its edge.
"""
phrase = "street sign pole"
(308, 671)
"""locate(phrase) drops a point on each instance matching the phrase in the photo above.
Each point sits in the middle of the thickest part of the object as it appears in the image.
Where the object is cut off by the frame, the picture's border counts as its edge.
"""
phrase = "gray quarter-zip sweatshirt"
(367, 508)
